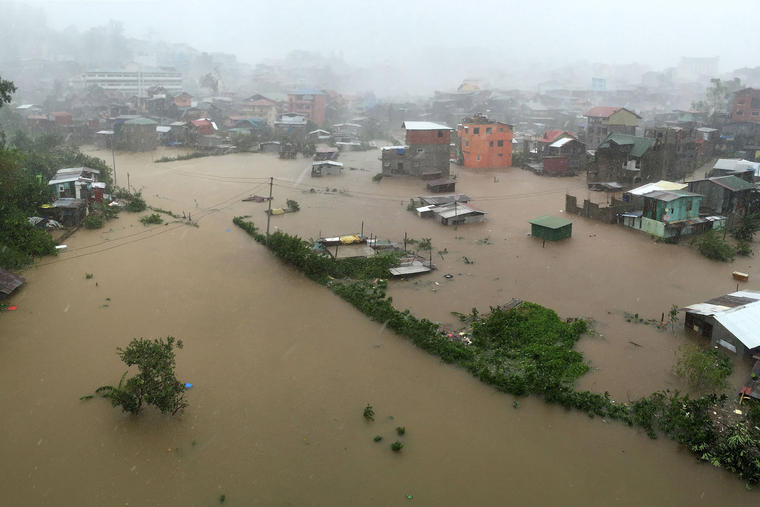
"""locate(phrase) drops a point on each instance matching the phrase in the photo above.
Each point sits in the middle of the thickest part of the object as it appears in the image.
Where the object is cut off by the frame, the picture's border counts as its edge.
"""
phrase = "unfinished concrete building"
(426, 153)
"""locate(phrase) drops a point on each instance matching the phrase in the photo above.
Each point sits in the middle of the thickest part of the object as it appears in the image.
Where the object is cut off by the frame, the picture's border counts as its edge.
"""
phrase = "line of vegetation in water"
(528, 350)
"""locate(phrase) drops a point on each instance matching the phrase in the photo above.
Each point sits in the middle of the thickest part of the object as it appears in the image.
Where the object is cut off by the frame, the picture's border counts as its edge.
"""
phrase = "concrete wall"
(606, 214)
(428, 137)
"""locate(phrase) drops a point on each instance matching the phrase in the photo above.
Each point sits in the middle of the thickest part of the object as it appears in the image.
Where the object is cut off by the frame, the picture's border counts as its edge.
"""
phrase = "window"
(420, 150)
(476, 130)
(501, 155)
(466, 129)
(501, 129)
(490, 144)
(688, 205)
(467, 144)
(488, 130)
(755, 113)
(739, 112)
(440, 133)
(478, 157)
(500, 143)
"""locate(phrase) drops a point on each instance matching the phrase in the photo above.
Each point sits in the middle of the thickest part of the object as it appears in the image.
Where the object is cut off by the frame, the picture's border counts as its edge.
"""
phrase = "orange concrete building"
(485, 144)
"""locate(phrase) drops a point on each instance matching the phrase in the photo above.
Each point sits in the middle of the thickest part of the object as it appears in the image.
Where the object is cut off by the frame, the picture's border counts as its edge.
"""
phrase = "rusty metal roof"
(9, 282)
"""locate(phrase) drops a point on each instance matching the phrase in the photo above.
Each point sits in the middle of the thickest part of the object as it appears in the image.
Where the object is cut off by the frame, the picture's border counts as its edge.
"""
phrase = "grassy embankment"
(529, 350)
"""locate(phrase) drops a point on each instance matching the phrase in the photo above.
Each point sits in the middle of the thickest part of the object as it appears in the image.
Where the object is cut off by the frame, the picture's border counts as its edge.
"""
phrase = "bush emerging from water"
(93, 222)
(703, 369)
(712, 246)
(153, 218)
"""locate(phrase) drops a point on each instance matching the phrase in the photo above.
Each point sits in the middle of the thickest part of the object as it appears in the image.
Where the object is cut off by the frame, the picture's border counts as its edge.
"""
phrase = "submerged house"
(731, 321)
(549, 228)
(326, 168)
(741, 168)
(626, 159)
(73, 182)
(565, 156)
(670, 214)
(426, 153)
(457, 214)
(723, 195)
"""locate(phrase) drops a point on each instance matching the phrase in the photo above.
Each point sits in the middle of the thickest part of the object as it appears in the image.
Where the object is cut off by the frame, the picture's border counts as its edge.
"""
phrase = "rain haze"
(416, 252)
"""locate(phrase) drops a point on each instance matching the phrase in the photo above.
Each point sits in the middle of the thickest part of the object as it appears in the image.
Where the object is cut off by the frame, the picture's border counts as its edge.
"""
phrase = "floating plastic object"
(61, 247)
(11, 308)
(409, 497)
(227, 230)
(449, 276)
(188, 385)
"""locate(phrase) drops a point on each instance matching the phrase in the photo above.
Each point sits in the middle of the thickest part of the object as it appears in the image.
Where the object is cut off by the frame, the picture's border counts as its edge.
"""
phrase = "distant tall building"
(696, 68)
(310, 103)
(746, 106)
(134, 81)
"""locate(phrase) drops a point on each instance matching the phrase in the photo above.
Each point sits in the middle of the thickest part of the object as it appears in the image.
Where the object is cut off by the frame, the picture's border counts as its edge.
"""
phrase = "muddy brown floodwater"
(282, 368)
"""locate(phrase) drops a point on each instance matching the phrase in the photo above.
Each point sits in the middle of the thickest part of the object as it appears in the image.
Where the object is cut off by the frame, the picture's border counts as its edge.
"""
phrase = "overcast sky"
(653, 32)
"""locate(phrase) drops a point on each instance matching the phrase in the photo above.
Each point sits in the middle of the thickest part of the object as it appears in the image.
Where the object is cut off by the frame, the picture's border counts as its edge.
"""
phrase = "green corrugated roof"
(640, 144)
(141, 121)
(550, 222)
(733, 183)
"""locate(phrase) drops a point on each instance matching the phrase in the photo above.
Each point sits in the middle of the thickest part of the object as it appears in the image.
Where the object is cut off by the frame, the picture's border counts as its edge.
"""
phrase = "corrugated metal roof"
(732, 183)
(423, 125)
(660, 185)
(670, 195)
(10, 281)
(561, 142)
(456, 211)
(639, 145)
(743, 322)
(327, 162)
(550, 222)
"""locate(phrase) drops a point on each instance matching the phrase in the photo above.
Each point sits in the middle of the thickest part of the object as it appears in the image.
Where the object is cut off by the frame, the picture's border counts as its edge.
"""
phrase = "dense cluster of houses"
(162, 115)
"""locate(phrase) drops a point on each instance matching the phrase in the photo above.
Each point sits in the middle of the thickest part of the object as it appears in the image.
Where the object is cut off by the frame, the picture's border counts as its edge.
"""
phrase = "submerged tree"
(155, 384)
(703, 369)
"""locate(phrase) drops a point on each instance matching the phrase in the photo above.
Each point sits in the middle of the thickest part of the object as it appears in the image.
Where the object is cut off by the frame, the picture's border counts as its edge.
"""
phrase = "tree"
(747, 227)
(703, 369)
(6, 90)
(155, 383)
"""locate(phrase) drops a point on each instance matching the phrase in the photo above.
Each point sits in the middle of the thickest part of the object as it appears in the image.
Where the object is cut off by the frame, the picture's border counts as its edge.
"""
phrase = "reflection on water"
(282, 369)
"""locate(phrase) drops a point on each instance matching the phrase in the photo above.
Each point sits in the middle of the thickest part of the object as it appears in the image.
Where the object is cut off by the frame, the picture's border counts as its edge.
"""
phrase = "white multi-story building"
(134, 80)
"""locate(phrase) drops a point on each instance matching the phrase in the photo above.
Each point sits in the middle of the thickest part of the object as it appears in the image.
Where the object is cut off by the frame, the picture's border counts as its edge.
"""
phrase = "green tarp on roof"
(550, 222)
(639, 145)
(141, 121)
(733, 183)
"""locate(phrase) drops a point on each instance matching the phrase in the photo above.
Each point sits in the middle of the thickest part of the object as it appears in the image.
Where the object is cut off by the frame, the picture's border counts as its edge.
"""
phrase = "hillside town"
(522, 272)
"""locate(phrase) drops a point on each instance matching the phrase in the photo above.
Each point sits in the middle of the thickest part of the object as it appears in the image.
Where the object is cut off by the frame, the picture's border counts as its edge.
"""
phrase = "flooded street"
(282, 368)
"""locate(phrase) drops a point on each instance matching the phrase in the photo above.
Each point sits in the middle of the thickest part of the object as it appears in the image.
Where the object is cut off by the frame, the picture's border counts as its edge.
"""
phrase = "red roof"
(602, 111)
(201, 122)
(553, 135)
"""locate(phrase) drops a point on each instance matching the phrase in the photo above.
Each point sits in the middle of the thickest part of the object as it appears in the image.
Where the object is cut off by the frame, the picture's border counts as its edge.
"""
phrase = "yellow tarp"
(347, 240)
(278, 211)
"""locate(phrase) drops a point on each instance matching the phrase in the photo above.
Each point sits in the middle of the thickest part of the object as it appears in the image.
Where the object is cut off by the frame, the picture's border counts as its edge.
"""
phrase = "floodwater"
(282, 369)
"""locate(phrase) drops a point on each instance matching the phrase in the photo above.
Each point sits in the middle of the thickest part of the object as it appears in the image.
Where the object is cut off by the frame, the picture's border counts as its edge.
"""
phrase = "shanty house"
(457, 214)
(604, 120)
(723, 195)
(549, 228)
(731, 321)
(743, 169)
(671, 214)
(565, 156)
(138, 134)
(73, 182)
(626, 159)
(326, 168)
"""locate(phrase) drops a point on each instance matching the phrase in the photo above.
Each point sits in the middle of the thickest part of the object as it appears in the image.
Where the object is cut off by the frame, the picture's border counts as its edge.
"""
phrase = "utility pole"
(113, 158)
(269, 209)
